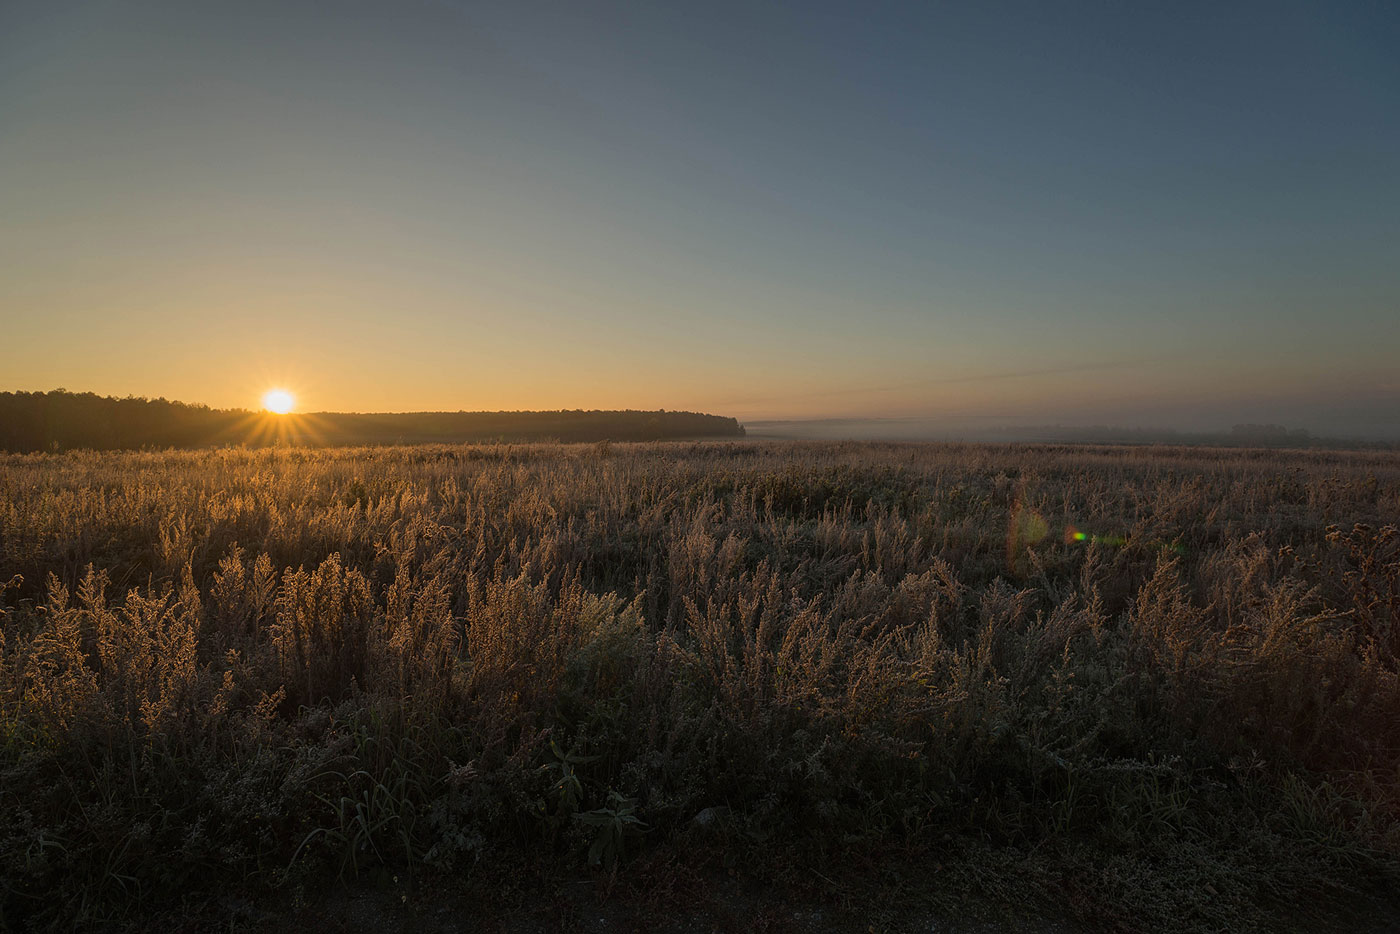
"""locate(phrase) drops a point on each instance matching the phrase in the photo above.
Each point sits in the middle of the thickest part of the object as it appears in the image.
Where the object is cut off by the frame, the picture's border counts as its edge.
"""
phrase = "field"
(1137, 688)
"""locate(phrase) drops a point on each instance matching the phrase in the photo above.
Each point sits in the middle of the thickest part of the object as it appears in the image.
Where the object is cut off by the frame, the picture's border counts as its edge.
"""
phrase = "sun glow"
(278, 400)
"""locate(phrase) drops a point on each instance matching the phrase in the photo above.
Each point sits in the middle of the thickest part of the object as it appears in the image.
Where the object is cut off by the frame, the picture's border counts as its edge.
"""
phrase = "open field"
(1137, 689)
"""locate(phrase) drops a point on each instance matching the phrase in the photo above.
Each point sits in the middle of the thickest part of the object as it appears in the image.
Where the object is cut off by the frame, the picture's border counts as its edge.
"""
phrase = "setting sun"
(278, 400)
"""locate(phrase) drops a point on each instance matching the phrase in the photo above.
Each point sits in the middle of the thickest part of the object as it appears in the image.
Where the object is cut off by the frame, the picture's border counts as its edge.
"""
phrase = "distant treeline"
(61, 420)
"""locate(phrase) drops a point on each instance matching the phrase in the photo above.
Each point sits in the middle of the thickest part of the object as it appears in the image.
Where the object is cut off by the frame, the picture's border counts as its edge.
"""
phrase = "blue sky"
(1165, 214)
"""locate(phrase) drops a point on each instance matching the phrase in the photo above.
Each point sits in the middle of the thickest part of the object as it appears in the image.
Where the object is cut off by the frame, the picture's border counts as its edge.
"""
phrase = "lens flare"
(1026, 529)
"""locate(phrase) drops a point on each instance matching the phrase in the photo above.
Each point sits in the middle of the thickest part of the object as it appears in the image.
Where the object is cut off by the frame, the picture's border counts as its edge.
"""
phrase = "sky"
(1150, 214)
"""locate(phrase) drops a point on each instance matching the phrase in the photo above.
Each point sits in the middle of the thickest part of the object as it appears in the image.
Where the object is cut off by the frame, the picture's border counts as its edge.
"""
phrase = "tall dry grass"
(1166, 677)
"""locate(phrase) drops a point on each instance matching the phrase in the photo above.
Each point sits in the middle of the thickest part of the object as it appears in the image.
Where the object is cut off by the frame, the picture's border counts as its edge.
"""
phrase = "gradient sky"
(1137, 214)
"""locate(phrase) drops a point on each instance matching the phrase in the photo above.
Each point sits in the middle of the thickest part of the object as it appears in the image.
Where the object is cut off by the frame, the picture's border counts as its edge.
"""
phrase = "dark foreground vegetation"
(65, 421)
(1148, 688)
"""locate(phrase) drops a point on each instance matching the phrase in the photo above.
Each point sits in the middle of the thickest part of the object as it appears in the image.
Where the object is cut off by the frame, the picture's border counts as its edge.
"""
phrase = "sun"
(279, 401)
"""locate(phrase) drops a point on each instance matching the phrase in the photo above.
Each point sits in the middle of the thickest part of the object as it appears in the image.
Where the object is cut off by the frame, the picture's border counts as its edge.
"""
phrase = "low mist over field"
(1007, 429)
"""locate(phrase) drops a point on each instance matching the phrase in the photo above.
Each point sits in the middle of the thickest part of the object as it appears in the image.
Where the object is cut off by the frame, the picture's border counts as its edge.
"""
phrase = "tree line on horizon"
(59, 420)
